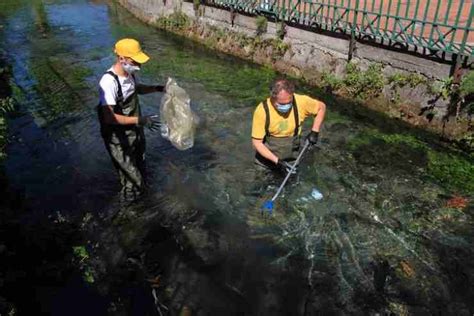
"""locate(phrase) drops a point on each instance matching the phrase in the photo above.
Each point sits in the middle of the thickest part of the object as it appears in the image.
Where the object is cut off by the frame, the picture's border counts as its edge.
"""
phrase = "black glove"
(284, 166)
(149, 121)
(312, 138)
(159, 88)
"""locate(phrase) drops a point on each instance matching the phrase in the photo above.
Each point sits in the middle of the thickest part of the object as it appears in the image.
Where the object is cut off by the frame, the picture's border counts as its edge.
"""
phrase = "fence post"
(352, 46)
(456, 68)
(352, 43)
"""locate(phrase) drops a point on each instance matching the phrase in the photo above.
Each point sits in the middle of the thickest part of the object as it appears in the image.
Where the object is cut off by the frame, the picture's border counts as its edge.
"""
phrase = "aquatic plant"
(82, 256)
(7, 8)
(453, 171)
(247, 85)
(7, 104)
(58, 84)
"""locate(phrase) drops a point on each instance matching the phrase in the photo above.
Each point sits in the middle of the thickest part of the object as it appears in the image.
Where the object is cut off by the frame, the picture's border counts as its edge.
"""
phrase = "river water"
(384, 238)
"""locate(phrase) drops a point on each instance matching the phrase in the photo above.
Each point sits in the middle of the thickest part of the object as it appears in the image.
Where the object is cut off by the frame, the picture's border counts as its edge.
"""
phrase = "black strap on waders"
(267, 118)
(119, 102)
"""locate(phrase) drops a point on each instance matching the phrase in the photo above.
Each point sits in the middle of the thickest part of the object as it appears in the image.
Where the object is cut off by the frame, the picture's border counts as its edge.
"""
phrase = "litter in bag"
(178, 120)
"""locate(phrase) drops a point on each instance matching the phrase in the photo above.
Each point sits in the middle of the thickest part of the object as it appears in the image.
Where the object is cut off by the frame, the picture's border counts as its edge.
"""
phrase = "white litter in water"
(303, 200)
(316, 194)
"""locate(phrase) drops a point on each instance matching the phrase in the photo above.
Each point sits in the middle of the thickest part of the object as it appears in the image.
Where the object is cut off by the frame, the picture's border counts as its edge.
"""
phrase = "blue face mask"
(284, 108)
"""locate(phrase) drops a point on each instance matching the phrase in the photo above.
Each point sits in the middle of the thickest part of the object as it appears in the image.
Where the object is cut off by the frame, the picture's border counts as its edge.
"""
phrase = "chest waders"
(286, 148)
(126, 145)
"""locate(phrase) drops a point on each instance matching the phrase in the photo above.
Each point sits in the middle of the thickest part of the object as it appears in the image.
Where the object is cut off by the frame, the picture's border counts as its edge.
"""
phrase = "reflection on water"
(382, 240)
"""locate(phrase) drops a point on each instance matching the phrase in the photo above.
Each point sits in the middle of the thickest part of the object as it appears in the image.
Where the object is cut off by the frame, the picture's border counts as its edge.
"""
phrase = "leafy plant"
(467, 85)
(175, 21)
(196, 4)
(364, 84)
(442, 88)
(466, 91)
(401, 80)
(330, 82)
(281, 30)
(261, 24)
(279, 47)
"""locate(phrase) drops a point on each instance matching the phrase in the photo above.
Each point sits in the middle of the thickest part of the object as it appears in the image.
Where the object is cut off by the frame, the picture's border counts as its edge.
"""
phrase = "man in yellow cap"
(276, 126)
(121, 119)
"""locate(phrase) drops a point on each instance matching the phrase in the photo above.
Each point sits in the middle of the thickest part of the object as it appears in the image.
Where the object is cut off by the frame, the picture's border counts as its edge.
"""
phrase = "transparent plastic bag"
(178, 120)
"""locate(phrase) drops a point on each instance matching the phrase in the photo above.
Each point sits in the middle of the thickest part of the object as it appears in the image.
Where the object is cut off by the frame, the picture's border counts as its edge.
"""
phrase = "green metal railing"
(436, 25)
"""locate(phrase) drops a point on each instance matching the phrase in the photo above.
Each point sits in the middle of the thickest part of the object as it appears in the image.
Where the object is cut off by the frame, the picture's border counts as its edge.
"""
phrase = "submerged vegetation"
(59, 83)
(247, 85)
(454, 172)
(7, 104)
(81, 256)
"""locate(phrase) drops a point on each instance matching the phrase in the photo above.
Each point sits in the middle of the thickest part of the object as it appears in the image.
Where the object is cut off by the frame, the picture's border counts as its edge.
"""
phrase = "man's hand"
(284, 166)
(312, 138)
(149, 121)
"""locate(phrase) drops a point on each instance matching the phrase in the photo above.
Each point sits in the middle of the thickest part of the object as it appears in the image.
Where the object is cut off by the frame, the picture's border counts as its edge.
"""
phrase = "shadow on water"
(383, 240)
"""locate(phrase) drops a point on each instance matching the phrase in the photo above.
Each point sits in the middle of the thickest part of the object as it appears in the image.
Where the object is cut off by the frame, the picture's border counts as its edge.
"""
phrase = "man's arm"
(116, 119)
(319, 118)
(145, 89)
(263, 150)
(258, 134)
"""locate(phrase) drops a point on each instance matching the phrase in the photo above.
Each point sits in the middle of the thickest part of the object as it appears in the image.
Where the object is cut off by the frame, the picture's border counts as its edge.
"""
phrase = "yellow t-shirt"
(281, 126)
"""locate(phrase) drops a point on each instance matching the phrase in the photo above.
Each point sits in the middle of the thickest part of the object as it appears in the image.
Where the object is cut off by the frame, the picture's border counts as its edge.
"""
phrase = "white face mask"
(130, 69)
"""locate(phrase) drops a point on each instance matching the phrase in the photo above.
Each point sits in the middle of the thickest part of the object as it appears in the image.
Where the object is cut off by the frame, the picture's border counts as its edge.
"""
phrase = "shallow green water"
(381, 240)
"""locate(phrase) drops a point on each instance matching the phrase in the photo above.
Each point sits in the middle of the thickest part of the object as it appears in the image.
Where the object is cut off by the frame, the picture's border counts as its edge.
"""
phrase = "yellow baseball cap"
(129, 47)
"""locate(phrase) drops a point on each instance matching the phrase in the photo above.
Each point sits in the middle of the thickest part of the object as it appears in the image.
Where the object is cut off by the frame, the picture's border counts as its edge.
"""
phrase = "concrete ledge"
(402, 61)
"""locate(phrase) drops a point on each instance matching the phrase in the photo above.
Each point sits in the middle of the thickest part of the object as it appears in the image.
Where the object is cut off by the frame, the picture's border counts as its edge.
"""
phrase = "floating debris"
(316, 194)
(458, 202)
(155, 282)
(407, 269)
(185, 311)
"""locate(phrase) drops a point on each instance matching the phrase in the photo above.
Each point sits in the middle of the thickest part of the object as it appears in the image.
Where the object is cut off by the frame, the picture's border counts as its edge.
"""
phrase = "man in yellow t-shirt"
(276, 126)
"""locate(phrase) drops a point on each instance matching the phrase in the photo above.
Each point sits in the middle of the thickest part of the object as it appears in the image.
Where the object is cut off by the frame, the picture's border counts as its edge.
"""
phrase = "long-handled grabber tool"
(268, 205)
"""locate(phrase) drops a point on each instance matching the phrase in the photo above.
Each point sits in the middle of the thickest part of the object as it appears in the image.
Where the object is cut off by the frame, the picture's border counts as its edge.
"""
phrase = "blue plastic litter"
(268, 206)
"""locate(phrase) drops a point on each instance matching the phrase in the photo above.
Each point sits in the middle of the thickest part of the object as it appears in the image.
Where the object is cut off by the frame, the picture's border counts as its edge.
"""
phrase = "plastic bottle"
(316, 194)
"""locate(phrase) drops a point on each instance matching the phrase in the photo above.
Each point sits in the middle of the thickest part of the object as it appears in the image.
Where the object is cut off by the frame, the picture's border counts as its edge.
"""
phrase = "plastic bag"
(178, 120)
